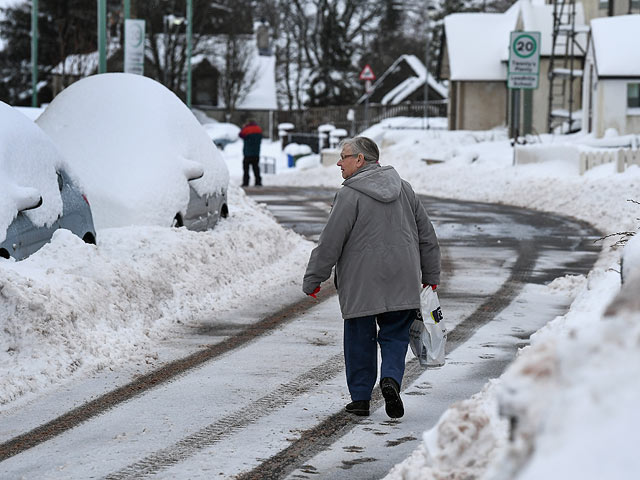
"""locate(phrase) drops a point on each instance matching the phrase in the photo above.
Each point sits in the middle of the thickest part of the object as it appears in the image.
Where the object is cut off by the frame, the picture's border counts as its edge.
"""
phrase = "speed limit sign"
(524, 60)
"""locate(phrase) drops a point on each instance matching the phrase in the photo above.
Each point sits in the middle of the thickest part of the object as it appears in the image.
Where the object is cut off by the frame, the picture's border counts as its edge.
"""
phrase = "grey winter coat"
(382, 243)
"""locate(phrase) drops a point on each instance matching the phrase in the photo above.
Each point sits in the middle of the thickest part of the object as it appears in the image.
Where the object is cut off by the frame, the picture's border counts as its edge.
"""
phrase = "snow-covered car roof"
(222, 131)
(133, 144)
(28, 162)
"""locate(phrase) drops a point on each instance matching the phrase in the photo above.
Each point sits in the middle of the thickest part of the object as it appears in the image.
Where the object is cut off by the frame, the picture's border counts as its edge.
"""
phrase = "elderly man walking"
(384, 249)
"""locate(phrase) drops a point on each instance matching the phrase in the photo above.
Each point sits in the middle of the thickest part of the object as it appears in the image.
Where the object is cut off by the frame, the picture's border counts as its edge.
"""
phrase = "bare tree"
(238, 75)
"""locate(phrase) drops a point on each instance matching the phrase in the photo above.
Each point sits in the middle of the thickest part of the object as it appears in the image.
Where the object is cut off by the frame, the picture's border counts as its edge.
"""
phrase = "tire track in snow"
(229, 425)
(318, 438)
(157, 377)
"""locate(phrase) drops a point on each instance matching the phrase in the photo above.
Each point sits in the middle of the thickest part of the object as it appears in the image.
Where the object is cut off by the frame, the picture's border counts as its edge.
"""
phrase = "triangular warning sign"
(367, 73)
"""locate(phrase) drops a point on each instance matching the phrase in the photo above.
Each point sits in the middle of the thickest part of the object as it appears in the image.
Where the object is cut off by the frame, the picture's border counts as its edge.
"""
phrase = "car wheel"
(224, 211)
(177, 221)
(89, 238)
(4, 253)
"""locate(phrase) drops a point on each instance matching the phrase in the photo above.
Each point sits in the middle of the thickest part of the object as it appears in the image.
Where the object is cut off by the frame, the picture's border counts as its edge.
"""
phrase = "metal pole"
(189, 48)
(426, 70)
(166, 50)
(102, 36)
(34, 53)
(366, 106)
(127, 9)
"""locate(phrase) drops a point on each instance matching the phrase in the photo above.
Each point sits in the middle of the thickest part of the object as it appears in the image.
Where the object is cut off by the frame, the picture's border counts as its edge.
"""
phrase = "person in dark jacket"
(251, 133)
(384, 248)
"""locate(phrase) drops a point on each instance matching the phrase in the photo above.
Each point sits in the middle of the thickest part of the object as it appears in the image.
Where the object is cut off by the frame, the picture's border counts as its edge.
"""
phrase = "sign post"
(102, 36)
(134, 46)
(524, 60)
(189, 48)
(523, 73)
(368, 76)
(34, 53)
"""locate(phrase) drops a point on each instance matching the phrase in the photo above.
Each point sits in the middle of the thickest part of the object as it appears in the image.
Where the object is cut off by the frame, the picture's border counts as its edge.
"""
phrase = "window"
(628, 5)
(633, 95)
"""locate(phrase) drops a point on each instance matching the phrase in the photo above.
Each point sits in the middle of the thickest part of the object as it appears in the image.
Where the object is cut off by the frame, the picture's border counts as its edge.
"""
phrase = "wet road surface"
(250, 405)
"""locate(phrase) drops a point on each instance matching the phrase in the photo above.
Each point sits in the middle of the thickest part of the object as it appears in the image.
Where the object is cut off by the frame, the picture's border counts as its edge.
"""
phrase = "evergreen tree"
(64, 27)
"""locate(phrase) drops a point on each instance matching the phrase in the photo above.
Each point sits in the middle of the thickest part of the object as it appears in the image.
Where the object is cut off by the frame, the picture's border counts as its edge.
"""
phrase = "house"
(77, 66)
(473, 62)
(404, 81)
(476, 53)
(611, 93)
(476, 58)
(258, 102)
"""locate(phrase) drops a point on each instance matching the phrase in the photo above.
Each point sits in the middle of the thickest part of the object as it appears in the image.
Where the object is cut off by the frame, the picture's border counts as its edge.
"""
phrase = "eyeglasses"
(342, 157)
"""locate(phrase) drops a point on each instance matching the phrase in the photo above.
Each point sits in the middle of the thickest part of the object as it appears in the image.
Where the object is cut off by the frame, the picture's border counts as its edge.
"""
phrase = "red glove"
(433, 287)
(314, 292)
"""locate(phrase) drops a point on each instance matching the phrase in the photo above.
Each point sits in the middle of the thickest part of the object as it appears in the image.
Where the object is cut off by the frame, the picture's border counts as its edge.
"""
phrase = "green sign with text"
(524, 60)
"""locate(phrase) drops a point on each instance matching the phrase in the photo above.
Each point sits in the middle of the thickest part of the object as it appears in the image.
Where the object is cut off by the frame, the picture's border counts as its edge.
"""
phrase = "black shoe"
(359, 407)
(391, 393)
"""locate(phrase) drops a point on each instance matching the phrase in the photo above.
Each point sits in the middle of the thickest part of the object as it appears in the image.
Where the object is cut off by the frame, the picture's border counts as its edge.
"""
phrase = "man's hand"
(314, 292)
(433, 287)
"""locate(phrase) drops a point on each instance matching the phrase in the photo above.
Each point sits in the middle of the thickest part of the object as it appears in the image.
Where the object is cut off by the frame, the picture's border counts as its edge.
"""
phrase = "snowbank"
(74, 308)
(566, 408)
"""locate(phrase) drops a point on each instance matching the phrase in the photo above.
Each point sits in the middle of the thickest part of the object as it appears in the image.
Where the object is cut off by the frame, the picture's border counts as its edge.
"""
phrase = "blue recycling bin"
(291, 161)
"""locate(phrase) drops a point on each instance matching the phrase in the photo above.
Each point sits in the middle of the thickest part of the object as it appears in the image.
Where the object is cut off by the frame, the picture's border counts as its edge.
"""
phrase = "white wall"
(611, 108)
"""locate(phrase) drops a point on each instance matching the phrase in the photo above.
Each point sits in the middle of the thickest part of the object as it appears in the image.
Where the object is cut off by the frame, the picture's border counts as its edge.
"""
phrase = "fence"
(267, 164)
(308, 120)
(623, 158)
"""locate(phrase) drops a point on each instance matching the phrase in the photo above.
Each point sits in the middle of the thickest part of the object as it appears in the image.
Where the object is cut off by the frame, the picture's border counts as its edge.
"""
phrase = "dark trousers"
(253, 162)
(361, 353)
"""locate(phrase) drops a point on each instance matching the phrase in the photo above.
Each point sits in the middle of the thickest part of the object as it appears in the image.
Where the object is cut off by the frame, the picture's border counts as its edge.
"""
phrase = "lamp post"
(34, 53)
(189, 48)
(426, 66)
(102, 36)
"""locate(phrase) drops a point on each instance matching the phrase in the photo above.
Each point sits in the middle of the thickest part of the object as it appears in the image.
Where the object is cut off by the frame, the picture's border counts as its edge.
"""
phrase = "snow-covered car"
(37, 194)
(141, 154)
(222, 134)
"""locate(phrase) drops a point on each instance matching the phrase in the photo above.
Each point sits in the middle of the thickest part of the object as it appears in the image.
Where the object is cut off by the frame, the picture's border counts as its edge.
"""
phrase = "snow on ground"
(73, 308)
(566, 408)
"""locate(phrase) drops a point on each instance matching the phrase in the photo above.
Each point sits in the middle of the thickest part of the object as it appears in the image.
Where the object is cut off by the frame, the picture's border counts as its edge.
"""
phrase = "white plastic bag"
(428, 334)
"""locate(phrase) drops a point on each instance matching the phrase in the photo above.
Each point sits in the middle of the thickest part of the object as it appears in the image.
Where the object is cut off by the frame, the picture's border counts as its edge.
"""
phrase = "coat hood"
(380, 183)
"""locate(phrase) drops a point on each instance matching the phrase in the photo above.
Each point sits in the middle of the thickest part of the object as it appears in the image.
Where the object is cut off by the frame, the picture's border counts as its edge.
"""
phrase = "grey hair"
(363, 145)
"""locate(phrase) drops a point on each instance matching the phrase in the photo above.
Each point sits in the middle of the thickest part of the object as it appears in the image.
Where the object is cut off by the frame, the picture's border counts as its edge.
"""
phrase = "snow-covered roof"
(615, 41)
(83, 64)
(263, 93)
(476, 43)
(411, 84)
(405, 88)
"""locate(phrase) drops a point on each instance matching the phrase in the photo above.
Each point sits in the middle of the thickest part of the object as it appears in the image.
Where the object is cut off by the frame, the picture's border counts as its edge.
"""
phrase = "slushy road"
(263, 394)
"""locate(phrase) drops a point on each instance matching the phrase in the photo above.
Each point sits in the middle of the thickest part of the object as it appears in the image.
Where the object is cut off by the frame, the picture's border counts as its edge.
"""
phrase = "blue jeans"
(361, 353)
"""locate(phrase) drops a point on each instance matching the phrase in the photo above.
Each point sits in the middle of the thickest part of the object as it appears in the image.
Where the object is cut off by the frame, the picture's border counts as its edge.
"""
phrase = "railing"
(308, 120)
(623, 158)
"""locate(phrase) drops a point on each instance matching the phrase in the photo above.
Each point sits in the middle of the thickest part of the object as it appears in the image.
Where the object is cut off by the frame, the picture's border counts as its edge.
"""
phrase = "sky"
(73, 309)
